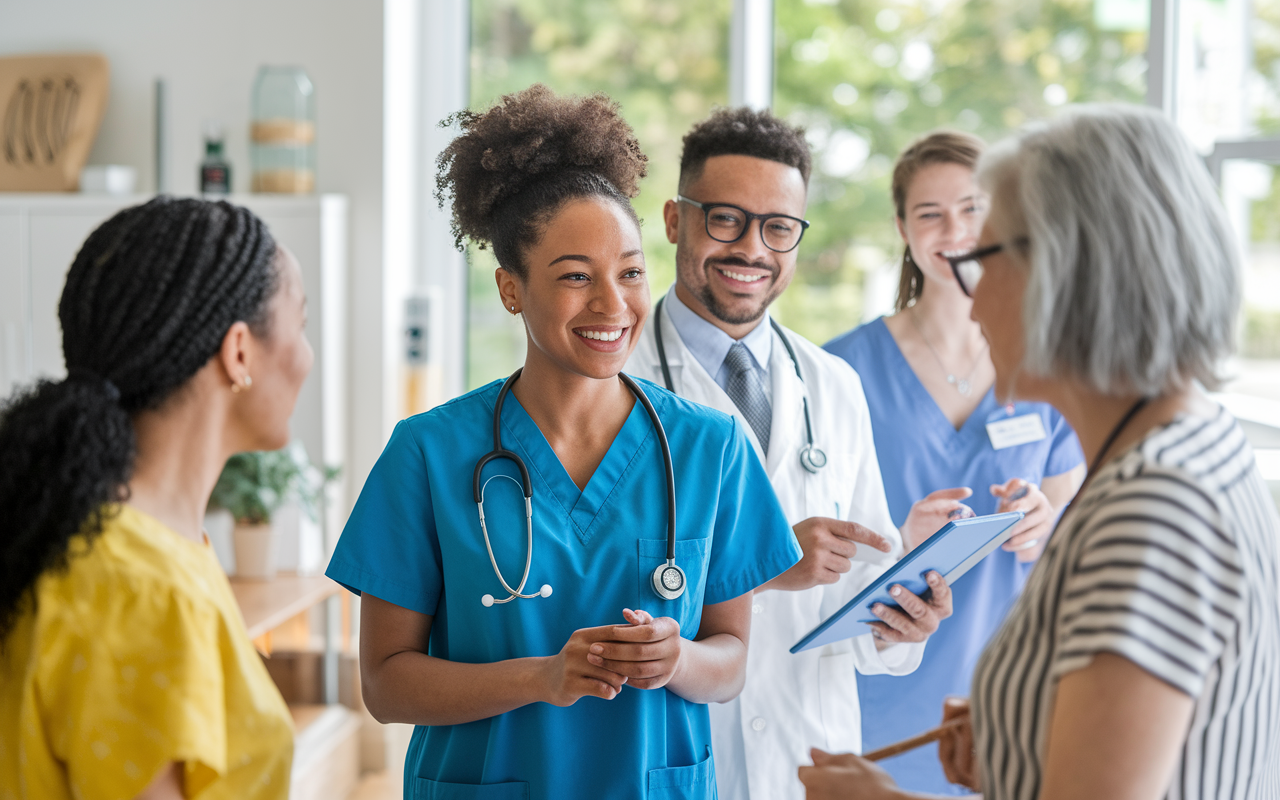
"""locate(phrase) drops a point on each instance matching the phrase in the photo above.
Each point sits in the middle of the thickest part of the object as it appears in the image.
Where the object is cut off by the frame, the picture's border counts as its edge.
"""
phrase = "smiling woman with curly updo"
(542, 643)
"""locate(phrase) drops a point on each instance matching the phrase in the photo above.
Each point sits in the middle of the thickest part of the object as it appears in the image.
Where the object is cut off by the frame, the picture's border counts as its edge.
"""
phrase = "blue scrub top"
(414, 539)
(920, 452)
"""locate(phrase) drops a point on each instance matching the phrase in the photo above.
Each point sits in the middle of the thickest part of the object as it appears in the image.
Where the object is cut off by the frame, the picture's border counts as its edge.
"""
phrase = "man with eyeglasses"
(737, 221)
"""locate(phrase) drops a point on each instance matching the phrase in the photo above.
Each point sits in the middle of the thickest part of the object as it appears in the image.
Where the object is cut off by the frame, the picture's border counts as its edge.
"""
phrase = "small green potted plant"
(252, 487)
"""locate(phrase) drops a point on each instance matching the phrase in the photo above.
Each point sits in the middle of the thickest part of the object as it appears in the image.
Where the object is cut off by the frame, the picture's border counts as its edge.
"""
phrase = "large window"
(665, 62)
(867, 77)
(1228, 91)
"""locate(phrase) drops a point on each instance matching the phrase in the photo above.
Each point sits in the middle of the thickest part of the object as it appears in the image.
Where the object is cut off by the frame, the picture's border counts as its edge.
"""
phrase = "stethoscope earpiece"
(487, 600)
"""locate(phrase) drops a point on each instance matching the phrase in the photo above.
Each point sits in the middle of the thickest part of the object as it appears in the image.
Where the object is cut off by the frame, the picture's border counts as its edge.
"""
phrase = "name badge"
(1015, 431)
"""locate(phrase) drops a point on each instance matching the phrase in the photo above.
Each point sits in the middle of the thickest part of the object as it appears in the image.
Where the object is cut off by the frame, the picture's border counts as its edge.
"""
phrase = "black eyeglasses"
(967, 267)
(725, 223)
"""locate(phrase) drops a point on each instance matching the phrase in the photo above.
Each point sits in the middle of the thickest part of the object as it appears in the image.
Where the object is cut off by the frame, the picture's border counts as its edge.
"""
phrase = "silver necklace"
(963, 385)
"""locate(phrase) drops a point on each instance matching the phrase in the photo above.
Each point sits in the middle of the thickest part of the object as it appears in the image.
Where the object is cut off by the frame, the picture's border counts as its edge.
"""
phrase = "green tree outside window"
(666, 62)
(866, 78)
(863, 76)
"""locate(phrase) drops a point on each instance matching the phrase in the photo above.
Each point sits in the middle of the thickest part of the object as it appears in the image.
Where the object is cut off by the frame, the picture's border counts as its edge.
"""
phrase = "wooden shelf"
(268, 604)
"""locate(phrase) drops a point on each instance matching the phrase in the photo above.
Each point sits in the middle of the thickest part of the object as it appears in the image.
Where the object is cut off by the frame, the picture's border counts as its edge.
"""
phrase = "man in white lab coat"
(736, 223)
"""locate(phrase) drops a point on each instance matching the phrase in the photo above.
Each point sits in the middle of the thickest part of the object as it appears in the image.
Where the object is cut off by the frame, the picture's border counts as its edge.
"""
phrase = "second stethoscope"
(668, 580)
(811, 458)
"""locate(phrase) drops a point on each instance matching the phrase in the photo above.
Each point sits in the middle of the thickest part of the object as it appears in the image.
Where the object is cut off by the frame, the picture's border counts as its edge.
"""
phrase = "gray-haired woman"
(1143, 658)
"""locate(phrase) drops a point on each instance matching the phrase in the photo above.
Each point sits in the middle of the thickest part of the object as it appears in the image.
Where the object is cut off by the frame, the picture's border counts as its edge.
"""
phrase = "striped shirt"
(1168, 559)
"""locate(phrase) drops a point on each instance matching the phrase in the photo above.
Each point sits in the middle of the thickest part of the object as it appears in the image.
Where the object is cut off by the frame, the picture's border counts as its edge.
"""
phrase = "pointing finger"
(860, 534)
(957, 493)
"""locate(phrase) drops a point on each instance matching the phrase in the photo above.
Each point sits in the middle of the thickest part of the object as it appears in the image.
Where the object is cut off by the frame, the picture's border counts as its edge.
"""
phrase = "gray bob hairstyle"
(1134, 276)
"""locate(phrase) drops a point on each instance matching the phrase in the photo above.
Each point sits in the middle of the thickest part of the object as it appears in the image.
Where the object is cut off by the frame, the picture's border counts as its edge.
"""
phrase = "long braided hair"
(147, 302)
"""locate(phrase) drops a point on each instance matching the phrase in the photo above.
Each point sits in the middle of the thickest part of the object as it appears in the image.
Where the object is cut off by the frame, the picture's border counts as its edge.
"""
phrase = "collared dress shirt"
(709, 345)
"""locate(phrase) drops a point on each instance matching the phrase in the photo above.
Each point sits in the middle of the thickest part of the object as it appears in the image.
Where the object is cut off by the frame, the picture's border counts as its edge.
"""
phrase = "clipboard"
(955, 549)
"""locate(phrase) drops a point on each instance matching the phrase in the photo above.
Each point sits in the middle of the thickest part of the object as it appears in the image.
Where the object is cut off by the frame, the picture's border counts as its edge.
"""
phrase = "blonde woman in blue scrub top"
(547, 661)
(942, 435)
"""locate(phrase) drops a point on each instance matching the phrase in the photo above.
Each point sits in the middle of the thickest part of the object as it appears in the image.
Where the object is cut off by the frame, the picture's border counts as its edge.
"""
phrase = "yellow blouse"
(134, 657)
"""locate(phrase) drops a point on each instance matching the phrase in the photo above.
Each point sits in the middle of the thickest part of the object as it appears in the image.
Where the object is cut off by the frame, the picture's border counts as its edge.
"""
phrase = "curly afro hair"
(516, 164)
(146, 304)
(743, 132)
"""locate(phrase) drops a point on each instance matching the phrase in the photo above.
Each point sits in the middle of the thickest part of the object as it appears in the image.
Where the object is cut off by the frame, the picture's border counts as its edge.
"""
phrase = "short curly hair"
(516, 164)
(744, 132)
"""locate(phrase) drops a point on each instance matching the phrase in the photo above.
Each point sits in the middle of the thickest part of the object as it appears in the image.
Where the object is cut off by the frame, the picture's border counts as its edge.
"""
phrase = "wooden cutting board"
(50, 110)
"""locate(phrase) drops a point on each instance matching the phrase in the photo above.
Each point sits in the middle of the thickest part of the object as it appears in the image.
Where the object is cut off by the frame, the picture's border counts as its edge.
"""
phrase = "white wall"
(208, 54)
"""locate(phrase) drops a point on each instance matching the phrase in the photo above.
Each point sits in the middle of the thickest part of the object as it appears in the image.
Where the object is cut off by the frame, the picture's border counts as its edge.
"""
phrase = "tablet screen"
(952, 551)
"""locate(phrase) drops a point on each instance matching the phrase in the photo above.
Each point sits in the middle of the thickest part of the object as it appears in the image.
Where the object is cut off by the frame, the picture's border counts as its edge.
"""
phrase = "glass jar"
(282, 151)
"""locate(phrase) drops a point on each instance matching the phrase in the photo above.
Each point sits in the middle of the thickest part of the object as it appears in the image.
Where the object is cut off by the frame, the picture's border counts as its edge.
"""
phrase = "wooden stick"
(915, 741)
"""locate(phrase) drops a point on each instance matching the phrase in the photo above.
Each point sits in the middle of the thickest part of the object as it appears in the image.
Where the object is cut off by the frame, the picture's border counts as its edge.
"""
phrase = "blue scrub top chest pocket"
(691, 555)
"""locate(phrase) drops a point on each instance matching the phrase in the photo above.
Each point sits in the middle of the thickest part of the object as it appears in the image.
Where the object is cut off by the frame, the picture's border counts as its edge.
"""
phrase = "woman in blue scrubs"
(590, 684)
(941, 434)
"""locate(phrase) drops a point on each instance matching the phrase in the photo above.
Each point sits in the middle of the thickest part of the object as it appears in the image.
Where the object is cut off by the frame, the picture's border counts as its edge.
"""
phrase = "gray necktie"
(747, 393)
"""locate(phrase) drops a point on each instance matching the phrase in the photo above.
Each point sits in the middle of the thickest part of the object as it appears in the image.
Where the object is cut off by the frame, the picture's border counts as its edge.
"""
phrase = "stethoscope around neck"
(811, 458)
(668, 580)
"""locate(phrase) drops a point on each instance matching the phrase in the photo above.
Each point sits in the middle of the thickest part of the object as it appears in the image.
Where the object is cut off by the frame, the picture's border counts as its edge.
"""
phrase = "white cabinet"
(41, 233)
(15, 350)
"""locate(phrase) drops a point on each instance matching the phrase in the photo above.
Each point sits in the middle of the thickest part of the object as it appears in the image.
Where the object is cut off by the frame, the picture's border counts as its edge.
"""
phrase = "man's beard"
(718, 310)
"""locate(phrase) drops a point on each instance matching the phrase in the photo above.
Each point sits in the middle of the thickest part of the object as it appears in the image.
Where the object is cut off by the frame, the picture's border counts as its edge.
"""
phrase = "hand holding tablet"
(951, 552)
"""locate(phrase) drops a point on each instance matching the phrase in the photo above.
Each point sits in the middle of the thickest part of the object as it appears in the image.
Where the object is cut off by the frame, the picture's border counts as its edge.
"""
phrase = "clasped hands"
(598, 662)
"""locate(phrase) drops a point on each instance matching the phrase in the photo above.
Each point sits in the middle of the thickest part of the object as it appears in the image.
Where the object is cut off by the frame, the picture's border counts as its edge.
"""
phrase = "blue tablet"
(951, 552)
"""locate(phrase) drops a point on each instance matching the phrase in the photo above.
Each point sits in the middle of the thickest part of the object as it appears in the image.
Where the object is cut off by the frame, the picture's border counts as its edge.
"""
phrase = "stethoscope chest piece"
(669, 581)
(812, 459)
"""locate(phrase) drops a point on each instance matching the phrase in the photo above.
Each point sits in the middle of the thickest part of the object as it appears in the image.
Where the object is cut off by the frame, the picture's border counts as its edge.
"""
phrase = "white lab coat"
(793, 702)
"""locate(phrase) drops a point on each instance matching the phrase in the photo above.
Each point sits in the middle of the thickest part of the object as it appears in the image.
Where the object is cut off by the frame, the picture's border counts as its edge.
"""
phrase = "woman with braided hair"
(588, 681)
(125, 667)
